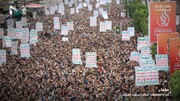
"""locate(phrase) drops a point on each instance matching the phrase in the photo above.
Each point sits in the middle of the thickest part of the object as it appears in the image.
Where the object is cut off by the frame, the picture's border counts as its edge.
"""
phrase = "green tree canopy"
(174, 84)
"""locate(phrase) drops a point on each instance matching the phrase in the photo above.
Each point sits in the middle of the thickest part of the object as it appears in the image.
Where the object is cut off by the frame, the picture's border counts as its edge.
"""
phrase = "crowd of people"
(49, 75)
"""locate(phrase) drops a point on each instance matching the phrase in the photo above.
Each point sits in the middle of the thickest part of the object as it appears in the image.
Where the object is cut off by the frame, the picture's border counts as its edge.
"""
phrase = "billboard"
(162, 45)
(162, 19)
(174, 54)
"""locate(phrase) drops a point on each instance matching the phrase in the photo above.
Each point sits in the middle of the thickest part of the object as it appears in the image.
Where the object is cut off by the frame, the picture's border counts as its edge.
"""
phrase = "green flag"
(118, 29)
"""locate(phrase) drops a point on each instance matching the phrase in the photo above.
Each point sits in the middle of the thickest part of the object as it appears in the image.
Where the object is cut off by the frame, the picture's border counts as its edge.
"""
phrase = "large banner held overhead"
(162, 19)
(76, 56)
(162, 39)
(91, 59)
(174, 54)
(146, 76)
(25, 50)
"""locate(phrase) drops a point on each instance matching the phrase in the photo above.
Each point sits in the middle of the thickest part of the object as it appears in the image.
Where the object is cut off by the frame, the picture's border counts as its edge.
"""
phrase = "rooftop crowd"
(49, 75)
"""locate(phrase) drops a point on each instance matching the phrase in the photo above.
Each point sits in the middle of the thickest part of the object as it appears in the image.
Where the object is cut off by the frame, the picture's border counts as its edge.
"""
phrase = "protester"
(50, 75)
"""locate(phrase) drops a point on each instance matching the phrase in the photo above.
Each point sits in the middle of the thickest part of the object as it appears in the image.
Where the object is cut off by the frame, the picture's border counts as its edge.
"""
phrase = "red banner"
(162, 39)
(162, 19)
(174, 54)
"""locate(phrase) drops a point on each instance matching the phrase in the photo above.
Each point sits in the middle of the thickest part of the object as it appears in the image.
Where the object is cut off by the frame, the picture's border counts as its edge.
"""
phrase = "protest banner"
(2, 56)
(72, 10)
(108, 25)
(39, 26)
(163, 68)
(162, 19)
(18, 24)
(105, 15)
(33, 36)
(102, 27)
(12, 33)
(91, 59)
(145, 50)
(6, 41)
(76, 56)
(162, 39)
(64, 30)
(93, 21)
(18, 33)
(161, 60)
(131, 31)
(135, 56)
(10, 23)
(140, 76)
(56, 23)
(25, 50)
(142, 41)
(147, 75)
(25, 35)
(125, 36)
(70, 25)
(24, 21)
(90, 8)
(14, 47)
(96, 13)
(174, 54)
(151, 75)
(147, 63)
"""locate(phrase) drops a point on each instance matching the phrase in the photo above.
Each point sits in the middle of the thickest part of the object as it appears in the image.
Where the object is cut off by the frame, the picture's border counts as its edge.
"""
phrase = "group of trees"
(138, 12)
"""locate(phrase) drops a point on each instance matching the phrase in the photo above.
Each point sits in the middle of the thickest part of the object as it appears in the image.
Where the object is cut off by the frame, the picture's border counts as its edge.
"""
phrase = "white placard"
(104, 14)
(177, 19)
(14, 48)
(125, 36)
(56, 23)
(70, 25)
(142, 41)
(108, 25)
(131, 31)
(33, 36)
(76, 56)
(72, 11)
(2, 56)
(93, 21)
(91, 59)
(39, 26)
(102, 27)
(25, 35)
(96, 13)
(161, 60)
(25, 50)
(11, 32)
(7, 41)
(64, 30)
(89, 7)
(19, 33)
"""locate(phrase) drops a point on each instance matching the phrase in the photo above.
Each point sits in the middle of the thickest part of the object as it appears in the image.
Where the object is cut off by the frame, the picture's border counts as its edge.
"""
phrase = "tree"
(174, 84)
(139, 14)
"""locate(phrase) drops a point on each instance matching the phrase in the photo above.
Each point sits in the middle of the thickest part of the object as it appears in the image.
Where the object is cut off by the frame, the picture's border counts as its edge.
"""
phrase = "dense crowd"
(50, 75)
